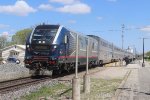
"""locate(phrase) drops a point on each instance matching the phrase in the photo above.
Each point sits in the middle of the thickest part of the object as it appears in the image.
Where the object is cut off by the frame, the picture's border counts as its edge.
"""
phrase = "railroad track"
(17, 84)
(13, 85)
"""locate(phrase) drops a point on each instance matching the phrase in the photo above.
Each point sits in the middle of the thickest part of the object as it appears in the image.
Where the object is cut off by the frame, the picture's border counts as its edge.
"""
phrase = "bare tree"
(3, 40)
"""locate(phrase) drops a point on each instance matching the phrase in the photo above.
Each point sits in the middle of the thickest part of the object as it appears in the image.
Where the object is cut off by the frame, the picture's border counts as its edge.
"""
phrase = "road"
(137, 86)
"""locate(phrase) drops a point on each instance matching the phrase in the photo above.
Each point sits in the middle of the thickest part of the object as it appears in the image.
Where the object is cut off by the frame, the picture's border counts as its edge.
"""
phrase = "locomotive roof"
(47, 26)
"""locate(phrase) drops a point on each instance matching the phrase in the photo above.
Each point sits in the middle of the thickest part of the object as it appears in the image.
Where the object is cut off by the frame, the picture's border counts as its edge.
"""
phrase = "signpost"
(76, 80)
(86, 85)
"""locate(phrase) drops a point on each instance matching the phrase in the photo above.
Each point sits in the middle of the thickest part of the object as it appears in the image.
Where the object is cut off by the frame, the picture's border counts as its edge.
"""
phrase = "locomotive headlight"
(43, 41)
(55, 47)
(39, 41)
(27, 46)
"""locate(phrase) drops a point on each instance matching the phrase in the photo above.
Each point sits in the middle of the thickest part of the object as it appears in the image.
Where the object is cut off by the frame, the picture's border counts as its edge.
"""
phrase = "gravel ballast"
(26, 91)
(10, 71)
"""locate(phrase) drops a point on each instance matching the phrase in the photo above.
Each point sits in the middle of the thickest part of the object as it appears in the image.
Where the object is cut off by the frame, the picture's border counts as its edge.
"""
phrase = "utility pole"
(122, 35)
(121, 63)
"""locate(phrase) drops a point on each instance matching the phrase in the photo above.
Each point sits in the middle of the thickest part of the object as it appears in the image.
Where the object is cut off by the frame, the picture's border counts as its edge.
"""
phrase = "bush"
(1, 59)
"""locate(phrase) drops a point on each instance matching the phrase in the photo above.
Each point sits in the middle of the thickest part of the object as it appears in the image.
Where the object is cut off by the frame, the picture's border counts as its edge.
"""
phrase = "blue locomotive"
(52, 48)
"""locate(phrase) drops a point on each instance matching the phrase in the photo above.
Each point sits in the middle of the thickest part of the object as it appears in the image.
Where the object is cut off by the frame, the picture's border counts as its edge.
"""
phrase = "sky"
(103, 18)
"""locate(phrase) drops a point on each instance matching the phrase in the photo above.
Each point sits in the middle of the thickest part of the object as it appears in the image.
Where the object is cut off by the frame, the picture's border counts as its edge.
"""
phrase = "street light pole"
(143, 65)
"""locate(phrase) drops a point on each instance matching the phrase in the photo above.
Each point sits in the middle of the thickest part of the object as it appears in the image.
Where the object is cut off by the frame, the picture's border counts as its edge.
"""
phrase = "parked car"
(13, 60)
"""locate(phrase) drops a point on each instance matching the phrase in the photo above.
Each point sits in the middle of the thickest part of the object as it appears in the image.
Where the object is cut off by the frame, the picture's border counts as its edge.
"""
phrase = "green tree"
(148, 53)
(9, 43)
(21, 36)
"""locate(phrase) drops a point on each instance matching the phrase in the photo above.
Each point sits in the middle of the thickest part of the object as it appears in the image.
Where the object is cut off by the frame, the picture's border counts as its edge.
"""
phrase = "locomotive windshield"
(46, 34)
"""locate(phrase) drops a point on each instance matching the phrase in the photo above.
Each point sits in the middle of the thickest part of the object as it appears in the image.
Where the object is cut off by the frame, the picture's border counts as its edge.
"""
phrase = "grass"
(54, 92)
(147, 60)
(101, 89)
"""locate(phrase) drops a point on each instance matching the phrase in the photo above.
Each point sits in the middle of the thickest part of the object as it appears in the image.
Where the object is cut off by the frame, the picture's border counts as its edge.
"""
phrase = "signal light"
(28, 62)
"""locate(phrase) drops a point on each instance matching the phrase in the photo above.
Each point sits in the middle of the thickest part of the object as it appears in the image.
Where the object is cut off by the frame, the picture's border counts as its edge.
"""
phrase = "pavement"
(137, 85)
(110, 73)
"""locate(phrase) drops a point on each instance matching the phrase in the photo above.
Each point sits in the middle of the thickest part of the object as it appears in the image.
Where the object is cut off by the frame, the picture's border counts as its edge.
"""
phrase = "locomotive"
(52, 48)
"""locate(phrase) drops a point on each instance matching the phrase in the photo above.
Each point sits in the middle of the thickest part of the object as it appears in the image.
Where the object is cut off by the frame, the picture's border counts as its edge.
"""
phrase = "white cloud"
(99, 18)
(3, 26)
(64, 1)
(78, 8)
(72, 21)
(146, 29)
(20, 8)
(45, 7)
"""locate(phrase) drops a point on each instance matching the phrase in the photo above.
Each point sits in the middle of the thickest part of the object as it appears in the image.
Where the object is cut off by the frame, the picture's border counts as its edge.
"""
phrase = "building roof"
(23, 47)
(14, 50)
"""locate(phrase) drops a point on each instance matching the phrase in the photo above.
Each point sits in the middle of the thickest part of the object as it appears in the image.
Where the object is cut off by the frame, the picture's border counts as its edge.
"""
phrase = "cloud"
(69, 6)
(45, 7)
(72, 21)
(20, 8)
(79, 8)
(64, 1)
(99, 18)
(146, 28)
(3, 26)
